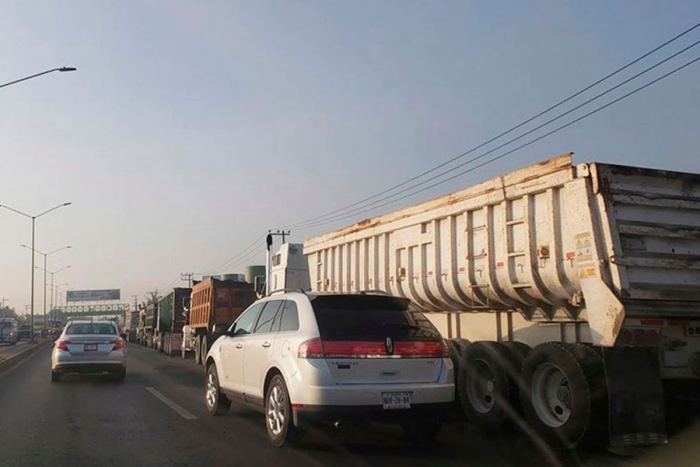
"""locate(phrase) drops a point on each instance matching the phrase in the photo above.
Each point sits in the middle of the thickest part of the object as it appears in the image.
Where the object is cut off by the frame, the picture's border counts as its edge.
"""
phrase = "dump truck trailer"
(569, 292)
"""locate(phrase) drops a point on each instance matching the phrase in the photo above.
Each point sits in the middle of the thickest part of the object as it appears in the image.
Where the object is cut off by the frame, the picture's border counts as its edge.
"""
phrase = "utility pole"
(3, 300)
(187, 276)
(136, 302)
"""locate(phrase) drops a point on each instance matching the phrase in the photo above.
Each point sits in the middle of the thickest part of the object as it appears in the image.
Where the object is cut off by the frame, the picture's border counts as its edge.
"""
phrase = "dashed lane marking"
(177, 408)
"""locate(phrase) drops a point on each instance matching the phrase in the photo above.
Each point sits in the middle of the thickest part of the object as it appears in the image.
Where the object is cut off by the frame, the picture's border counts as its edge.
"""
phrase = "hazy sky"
(193, 127)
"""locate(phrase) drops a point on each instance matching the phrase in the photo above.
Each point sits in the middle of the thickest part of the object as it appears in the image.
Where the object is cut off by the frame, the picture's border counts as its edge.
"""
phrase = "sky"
(192, 128)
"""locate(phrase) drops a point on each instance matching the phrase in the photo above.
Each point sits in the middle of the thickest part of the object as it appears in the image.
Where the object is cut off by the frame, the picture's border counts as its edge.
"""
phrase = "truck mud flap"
(636, 397)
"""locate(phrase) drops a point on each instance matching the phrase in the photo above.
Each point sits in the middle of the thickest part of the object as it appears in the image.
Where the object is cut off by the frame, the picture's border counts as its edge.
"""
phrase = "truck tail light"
(313, 348)
(62, 345)
(632, 337)
(119, 344)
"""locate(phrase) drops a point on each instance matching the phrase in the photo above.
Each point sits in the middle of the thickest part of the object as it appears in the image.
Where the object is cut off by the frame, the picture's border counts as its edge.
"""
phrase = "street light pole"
(33, 218)
(52, 274)
(57, 295)
(31, 319)
(46, 323)
(62, 69)
(45, 272)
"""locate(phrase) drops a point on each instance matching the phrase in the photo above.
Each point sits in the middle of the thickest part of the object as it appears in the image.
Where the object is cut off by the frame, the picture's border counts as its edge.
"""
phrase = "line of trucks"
(569, 294)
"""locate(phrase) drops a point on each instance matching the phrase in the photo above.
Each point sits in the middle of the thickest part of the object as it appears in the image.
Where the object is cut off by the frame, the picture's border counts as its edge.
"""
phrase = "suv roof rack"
(299, 290)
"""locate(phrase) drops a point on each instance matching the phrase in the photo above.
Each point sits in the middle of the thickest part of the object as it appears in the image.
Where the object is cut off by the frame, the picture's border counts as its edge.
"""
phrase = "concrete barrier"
(26, 352)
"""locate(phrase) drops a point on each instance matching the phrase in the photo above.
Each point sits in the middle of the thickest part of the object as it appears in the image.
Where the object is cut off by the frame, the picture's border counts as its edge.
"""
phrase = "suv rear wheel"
(278, 414)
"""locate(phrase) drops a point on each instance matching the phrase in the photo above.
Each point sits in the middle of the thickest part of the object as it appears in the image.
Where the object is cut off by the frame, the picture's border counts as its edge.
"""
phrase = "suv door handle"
(239, 346)
(266, 344)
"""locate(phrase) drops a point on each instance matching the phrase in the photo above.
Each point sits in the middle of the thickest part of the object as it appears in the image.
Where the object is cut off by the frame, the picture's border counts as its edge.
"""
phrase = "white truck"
(8, 330)
(569, 293)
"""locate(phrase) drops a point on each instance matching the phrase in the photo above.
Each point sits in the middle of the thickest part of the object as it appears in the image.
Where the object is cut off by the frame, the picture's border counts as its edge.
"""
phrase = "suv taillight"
(62, 345)
(119, 344)
(313, 348)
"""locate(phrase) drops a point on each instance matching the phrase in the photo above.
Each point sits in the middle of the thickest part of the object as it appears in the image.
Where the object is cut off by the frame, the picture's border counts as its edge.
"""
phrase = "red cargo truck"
(214, 306)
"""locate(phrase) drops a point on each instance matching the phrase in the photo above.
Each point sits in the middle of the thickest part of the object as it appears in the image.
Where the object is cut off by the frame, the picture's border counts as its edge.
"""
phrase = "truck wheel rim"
(212, 391)
(481, 387)
(276, 410)
(551, 395)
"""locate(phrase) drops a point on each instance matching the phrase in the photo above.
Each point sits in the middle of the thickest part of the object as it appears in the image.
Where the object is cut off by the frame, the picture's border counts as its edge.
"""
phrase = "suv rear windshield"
(371, 318)
(91, 328)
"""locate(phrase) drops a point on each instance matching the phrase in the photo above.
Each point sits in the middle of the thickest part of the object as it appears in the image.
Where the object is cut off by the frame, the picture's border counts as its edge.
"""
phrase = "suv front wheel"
(217, 402)
(278, 414)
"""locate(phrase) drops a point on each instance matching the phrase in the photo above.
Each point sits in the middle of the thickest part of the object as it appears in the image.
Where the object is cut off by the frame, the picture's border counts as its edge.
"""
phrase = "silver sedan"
(89, 347)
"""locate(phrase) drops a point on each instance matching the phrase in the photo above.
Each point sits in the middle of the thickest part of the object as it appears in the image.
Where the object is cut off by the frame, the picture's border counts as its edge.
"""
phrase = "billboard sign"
(92, 295)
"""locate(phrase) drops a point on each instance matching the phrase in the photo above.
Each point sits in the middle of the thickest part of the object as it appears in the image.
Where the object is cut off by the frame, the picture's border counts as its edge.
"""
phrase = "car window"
(91, 328)
(290, 316)
(245, 323)
(371, 317)
(269, 318)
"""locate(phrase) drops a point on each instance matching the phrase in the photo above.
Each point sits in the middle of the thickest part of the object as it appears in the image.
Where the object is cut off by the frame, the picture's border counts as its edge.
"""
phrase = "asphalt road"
(157, 417)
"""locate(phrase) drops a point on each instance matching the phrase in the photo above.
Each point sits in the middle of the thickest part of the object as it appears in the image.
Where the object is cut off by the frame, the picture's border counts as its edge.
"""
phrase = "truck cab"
(289, 268)
(8, 331)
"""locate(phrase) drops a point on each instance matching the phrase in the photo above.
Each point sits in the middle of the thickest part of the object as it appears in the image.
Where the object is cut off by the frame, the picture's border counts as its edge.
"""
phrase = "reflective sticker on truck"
(584, 273)
(584, 247)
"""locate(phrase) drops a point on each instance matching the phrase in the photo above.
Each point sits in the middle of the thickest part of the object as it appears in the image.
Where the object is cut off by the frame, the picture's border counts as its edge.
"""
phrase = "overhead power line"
(228, 264)
(312, 221)
(501, 146)
(501, 156)
(363, 205)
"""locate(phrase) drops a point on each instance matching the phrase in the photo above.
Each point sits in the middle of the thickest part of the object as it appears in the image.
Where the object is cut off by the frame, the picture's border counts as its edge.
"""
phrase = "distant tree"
(8, 312)
(152, 297)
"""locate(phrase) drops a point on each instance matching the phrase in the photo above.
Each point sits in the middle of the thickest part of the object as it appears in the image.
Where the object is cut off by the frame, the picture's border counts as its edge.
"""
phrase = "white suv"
(315, 357)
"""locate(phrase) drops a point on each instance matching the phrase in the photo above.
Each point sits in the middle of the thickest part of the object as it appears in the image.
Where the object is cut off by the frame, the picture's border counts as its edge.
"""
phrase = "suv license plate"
(90, 347)
(396, 400)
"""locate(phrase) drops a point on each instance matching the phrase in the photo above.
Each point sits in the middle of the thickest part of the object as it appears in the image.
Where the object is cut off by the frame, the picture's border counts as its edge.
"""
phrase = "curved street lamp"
(33, 218)
(63, 69)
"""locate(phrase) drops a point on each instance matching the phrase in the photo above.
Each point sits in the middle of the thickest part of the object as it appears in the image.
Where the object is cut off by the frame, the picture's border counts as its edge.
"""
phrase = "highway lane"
(157, 417)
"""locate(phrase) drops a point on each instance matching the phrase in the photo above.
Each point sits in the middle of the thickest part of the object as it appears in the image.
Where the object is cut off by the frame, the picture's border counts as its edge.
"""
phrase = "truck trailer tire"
(460, 344)
(205, 348)
(563, 394)
(455, 357)
(198, 350)
(519, 352)
(520, 349)
(487, 386)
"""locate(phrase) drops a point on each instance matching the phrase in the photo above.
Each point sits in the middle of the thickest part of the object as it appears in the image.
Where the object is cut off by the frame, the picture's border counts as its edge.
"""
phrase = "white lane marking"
(182, 412)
